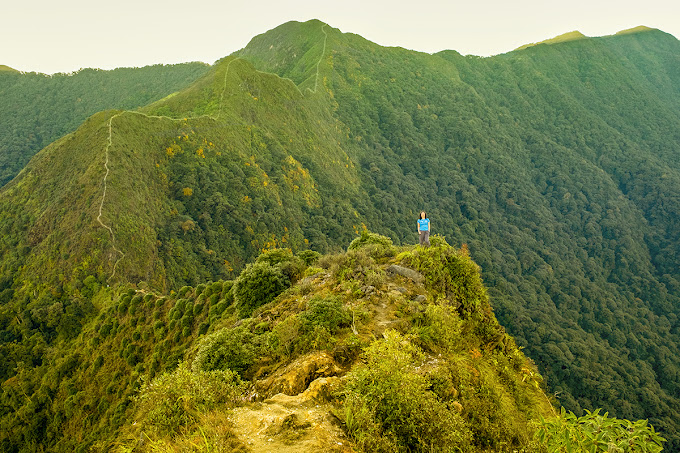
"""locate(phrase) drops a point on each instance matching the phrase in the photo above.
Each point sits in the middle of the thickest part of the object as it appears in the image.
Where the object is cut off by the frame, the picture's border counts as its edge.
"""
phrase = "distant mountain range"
(558, 165)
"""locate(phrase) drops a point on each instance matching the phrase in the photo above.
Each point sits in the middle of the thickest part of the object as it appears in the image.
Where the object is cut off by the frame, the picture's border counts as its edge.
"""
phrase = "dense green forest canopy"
(558, 165)
(36, 109)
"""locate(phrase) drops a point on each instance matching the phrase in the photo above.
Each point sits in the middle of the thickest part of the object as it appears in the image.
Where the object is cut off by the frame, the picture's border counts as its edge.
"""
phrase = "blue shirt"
(424, 224)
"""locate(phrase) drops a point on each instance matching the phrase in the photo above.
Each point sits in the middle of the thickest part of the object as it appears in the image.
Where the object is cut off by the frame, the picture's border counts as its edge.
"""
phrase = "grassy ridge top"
(565, 37)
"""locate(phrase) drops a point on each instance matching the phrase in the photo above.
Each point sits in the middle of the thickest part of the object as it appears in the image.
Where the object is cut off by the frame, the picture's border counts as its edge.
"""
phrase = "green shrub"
(594, 433)
(227, 288)
(364, 426)
(328, 313)
(90, 287)
(123, 305)
(218, 309)
(388, 402)
(216, 287)
(180, 304)
(438, 328)
(258, 284)
(291, 266)
(174, 400)
(311, 329)
(187, 319)
(275, 256)
(293, 269)
(184, 291)
(367, 238)
(105, 330)
(286, 335)
(374, 245)
(353, 265)
(226, 349)
(207, 292)
(135, 302)
(99, 361)
(175, 314)
(452, 274)
(309, 257)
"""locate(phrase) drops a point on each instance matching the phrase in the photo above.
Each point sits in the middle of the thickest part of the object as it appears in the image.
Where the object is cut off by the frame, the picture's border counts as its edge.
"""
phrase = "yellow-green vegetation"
(419, 363)
(557, 166)
(565, 37)
(40, 108)
(638, 29)
(416, 373)
(594, 433)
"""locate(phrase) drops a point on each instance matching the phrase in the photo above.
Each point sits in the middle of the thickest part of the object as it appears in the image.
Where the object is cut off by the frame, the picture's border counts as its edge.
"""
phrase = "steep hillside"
(294, 370)
(240, 152)
(36, 109)
(557, 165)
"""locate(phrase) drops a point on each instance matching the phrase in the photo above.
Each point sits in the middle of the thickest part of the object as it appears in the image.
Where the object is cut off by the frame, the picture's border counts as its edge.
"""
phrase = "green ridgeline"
(37, 108)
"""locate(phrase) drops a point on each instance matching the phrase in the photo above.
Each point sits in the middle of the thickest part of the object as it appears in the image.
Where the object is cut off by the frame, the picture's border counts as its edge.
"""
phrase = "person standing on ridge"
(424, 229)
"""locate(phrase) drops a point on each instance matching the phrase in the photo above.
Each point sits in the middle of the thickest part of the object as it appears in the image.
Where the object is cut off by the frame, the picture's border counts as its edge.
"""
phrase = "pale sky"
(65, 35)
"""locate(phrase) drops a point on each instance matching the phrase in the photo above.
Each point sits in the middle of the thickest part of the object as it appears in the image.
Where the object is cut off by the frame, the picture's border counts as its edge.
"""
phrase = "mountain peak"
(638, 29)
(5, 68)
(565, 37)
(292, 50)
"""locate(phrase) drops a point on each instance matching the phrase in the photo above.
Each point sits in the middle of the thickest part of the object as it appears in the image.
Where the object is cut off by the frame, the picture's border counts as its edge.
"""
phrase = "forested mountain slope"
(558, 165)
(36, 109)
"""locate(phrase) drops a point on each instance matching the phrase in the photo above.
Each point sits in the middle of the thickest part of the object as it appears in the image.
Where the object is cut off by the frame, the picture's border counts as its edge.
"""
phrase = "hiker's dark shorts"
(424, 237)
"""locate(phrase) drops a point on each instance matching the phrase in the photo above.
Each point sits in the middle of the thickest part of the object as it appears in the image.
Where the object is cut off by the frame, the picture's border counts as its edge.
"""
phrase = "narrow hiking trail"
(289, 424)
(101, 205)
(109, 143)
(323, 52)
(216, 117)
